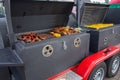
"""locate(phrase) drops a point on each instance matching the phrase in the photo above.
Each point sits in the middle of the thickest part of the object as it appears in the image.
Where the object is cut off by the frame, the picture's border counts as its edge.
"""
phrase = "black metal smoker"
(91, 13)
(30, 61)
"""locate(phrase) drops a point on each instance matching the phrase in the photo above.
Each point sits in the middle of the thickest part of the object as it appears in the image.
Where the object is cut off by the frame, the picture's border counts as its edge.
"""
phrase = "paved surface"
(117, 77)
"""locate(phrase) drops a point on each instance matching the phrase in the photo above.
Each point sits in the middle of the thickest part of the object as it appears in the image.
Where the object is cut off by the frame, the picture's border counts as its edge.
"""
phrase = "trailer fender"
(86, 66)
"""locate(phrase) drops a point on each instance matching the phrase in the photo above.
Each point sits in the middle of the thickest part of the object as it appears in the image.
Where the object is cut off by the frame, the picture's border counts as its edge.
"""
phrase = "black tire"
(102, 66)
(114, 60)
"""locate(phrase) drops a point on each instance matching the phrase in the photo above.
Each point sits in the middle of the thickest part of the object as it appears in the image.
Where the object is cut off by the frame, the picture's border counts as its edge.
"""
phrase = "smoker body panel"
(38, 67)
(4, 42)
(102, 38)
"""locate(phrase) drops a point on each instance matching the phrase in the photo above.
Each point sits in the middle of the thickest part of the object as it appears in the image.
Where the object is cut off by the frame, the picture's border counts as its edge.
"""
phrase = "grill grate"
(93, 14)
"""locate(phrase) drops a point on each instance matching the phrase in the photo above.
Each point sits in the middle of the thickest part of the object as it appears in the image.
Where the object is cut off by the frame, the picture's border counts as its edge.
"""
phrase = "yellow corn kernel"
(66, 29)
(57, 35)
(51, 32)
(99, 26)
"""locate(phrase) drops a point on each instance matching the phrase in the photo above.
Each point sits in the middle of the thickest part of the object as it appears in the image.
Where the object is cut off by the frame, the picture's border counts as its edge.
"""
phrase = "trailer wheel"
(113, 65)
(99, 72)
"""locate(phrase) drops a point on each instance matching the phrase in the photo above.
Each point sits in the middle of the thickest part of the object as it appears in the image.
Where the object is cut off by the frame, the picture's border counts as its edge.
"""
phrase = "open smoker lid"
(32, 15)
(93, 13)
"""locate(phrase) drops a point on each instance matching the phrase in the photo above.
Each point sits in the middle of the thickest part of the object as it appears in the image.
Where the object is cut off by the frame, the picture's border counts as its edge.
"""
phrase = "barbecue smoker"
(101, 38)
(42, 59)
(51, 58)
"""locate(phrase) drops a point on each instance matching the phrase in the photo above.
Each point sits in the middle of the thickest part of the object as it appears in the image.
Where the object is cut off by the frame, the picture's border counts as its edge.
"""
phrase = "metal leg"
(18, 73)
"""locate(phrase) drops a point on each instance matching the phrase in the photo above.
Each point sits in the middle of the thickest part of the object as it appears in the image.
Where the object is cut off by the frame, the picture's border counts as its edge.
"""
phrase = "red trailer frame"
(90, 62)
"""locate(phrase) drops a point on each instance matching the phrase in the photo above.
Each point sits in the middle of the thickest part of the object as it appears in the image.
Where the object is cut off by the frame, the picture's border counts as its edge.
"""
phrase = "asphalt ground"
(117, 77)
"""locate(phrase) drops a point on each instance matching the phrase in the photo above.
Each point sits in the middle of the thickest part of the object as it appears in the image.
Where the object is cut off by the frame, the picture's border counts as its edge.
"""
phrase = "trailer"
(35, 43)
